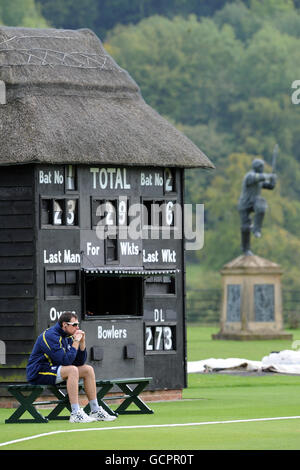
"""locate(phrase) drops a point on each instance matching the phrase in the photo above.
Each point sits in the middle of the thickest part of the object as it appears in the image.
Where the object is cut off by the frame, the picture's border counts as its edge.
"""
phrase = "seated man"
(59, 354)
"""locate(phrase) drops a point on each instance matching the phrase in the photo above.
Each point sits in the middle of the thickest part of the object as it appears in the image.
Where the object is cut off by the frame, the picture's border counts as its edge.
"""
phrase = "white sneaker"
(102, 415)
(81, 417)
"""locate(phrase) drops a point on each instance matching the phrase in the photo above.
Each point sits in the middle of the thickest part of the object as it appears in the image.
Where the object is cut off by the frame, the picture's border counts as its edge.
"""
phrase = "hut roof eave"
(82, 109)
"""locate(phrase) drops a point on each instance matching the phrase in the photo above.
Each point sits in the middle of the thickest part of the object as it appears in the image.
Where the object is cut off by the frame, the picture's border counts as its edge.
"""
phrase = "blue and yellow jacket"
(53, 347)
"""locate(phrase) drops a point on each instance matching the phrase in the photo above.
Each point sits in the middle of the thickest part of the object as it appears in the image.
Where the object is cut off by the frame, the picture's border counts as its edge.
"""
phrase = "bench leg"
(26, 405)
(104, 389)
(63, 403)
(133, 398)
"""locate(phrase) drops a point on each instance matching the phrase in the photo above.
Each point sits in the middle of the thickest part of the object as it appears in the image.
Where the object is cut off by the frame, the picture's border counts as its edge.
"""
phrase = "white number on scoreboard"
(160, 338)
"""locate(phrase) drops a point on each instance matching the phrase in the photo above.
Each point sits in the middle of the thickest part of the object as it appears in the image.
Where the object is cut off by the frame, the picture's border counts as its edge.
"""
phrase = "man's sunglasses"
(74, 323)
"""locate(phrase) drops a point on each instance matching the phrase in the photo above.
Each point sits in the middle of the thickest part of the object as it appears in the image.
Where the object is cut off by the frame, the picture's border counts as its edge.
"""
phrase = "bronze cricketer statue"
(250, 200)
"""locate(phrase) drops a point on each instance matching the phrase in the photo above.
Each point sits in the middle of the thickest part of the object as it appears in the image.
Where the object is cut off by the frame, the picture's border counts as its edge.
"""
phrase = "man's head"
(68, 321)
(258, 165)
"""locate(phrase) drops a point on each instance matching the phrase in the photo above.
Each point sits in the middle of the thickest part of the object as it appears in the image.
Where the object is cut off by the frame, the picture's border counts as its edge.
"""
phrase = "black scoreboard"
(109, 247)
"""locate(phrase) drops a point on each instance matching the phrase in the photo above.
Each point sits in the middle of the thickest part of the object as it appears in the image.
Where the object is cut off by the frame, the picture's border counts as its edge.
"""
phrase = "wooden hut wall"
(17, 269)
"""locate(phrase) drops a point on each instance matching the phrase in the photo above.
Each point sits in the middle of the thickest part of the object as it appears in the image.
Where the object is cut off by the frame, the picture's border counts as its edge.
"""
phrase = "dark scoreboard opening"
(113, 295)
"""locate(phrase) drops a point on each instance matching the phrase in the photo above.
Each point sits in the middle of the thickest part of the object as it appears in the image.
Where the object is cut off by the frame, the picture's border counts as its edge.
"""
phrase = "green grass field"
(201, 346)
(209, 398)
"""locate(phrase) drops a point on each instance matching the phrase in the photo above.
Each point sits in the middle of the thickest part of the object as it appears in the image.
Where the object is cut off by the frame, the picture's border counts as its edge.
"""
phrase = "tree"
(21, 13)
(167, 59)
(244, 22)
(104, 15)
(271, 7)
(269, 63)
(70, 14)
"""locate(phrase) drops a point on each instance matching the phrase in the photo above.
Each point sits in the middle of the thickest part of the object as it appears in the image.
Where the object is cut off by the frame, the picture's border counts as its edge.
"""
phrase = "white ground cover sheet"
(285, 362)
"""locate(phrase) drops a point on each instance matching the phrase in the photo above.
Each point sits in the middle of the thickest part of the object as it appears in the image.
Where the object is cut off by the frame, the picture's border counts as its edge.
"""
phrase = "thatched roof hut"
(67, 101)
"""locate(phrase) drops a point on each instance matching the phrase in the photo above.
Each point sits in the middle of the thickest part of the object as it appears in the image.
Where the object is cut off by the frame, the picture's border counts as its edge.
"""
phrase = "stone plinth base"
(252, 300)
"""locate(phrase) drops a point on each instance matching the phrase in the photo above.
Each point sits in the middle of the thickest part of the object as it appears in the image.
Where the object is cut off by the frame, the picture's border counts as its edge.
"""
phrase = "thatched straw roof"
(67, 101)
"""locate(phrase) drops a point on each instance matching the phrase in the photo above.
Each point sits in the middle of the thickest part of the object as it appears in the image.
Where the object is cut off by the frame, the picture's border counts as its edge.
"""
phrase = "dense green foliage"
(21, 13)
(226, 83)
(103, 15)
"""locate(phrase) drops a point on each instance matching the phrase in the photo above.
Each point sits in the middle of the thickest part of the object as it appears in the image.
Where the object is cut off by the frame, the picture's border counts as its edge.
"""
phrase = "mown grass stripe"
(148, 426)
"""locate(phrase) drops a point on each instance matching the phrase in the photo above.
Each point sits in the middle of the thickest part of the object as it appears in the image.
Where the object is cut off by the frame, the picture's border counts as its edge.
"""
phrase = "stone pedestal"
(252, 300)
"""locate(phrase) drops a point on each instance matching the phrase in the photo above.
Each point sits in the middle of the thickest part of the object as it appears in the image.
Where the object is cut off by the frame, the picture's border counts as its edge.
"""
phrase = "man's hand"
(80, 337)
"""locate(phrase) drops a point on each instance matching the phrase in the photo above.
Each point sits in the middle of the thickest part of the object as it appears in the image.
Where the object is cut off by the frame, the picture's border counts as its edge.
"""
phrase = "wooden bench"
(26, 394)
